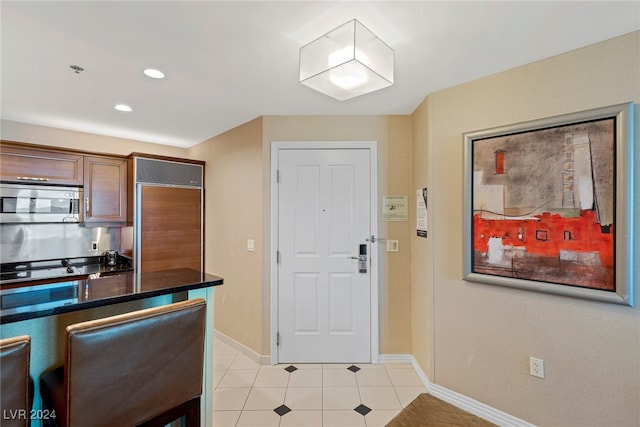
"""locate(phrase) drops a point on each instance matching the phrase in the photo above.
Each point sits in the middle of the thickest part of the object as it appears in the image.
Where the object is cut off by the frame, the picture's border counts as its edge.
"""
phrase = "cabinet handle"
(30, 178)
(87, 206)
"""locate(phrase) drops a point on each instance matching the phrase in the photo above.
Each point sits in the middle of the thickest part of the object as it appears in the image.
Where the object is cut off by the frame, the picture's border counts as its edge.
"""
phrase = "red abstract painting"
(544, 205)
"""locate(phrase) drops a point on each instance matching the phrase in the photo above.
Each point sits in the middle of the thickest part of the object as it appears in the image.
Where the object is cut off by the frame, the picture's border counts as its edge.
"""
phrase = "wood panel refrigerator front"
(171, 228)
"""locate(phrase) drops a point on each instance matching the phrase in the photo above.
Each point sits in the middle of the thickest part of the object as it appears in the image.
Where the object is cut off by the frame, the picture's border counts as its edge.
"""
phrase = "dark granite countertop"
(65, 268)
(30, 300)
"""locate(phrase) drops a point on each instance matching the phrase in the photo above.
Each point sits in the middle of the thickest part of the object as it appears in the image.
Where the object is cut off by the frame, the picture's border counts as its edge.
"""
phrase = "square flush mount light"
(346, 62)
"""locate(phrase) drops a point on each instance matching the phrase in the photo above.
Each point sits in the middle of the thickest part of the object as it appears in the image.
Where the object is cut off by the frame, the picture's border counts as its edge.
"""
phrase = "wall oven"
(40, 204)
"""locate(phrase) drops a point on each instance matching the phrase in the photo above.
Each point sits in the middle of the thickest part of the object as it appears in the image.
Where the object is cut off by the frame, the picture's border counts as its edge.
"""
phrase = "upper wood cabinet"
(104, 177)
(30, 165)
(105, 190)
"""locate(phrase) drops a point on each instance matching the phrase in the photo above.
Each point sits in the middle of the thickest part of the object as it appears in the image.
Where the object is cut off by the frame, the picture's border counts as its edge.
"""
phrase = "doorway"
(324, 265)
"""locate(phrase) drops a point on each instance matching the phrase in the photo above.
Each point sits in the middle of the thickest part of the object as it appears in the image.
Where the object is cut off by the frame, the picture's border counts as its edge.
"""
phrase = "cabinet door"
(33, 165)
(105, 190)
(106, 287)
(170, 228)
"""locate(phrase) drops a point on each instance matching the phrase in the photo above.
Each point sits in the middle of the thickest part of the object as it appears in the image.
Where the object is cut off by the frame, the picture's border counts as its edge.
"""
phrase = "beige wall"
(239, 174)
(61, 138)
(233, 201)
(393, 136)
(483, 335)
(422, 249)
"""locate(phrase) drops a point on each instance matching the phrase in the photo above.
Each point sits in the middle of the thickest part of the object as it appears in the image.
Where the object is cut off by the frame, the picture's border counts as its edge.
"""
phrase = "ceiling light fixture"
(153, 73)
(123, 107)
(346, 62)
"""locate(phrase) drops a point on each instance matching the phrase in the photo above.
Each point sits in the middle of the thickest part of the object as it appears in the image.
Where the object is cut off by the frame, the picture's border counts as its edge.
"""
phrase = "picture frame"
(548, 205)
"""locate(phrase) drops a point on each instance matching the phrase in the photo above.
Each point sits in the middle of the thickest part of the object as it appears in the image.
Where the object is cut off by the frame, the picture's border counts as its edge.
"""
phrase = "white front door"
(324, 215)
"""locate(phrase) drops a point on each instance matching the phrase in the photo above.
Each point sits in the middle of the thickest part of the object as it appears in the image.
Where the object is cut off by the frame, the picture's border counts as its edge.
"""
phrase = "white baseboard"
(396, 358)
(461, 401)
(256, 357)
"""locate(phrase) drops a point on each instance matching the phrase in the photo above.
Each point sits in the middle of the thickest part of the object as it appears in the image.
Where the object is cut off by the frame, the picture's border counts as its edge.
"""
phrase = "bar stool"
(16, 386)
(139, 368)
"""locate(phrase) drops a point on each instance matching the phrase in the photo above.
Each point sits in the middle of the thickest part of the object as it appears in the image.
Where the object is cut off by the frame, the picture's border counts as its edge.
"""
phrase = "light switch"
(392, 246)
(251, 245)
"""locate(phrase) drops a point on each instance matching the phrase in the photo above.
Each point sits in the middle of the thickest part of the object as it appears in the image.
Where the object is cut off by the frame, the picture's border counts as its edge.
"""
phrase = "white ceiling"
(228, 62)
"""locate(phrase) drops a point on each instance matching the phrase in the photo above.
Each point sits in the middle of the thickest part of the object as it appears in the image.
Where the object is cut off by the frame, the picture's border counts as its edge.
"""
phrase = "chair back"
(127, 369)
(15, 382)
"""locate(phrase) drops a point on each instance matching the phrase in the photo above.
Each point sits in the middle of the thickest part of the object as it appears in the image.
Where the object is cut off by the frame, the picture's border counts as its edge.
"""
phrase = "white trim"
(241, 348)
(461, 401)
(372, 146)
(273, 250)
(397, 358)
(477, 408)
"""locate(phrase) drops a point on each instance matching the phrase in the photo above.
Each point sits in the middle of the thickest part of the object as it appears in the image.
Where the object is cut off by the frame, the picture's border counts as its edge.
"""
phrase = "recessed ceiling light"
(153, 73)
(123, 107)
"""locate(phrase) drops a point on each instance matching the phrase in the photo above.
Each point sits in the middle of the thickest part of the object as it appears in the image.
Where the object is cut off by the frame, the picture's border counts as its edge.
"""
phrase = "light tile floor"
(308, 395)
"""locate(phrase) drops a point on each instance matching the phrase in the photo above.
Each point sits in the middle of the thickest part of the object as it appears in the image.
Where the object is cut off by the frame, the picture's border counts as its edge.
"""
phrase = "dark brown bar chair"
(16, 386)
(141, 368)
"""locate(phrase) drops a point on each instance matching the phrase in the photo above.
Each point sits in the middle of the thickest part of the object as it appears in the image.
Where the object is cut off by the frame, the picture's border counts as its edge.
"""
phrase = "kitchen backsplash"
(26, 242)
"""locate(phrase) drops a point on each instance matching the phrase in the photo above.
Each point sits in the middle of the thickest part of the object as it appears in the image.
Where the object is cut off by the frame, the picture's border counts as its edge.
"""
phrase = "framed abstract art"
(549, 205)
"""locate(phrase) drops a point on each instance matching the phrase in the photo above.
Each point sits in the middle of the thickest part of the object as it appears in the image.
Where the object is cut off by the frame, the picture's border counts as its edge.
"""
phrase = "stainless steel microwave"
(37, 203)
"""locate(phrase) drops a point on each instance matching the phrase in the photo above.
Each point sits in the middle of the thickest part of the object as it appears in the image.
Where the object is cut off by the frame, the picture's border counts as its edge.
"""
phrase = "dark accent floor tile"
(290, 368)
(362, 409)
(282, 409)
(353, 368)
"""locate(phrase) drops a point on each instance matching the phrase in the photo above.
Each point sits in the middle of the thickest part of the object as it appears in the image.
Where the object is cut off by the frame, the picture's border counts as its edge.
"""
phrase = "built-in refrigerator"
(168, 214)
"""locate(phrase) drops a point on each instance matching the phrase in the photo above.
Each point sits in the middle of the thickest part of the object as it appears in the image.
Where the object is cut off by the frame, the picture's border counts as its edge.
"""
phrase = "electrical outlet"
(536, 367)
(95, 246)
(392, 246)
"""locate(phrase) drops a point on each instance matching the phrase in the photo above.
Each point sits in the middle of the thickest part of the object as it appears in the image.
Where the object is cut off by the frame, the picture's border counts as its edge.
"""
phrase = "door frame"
(372, 147)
